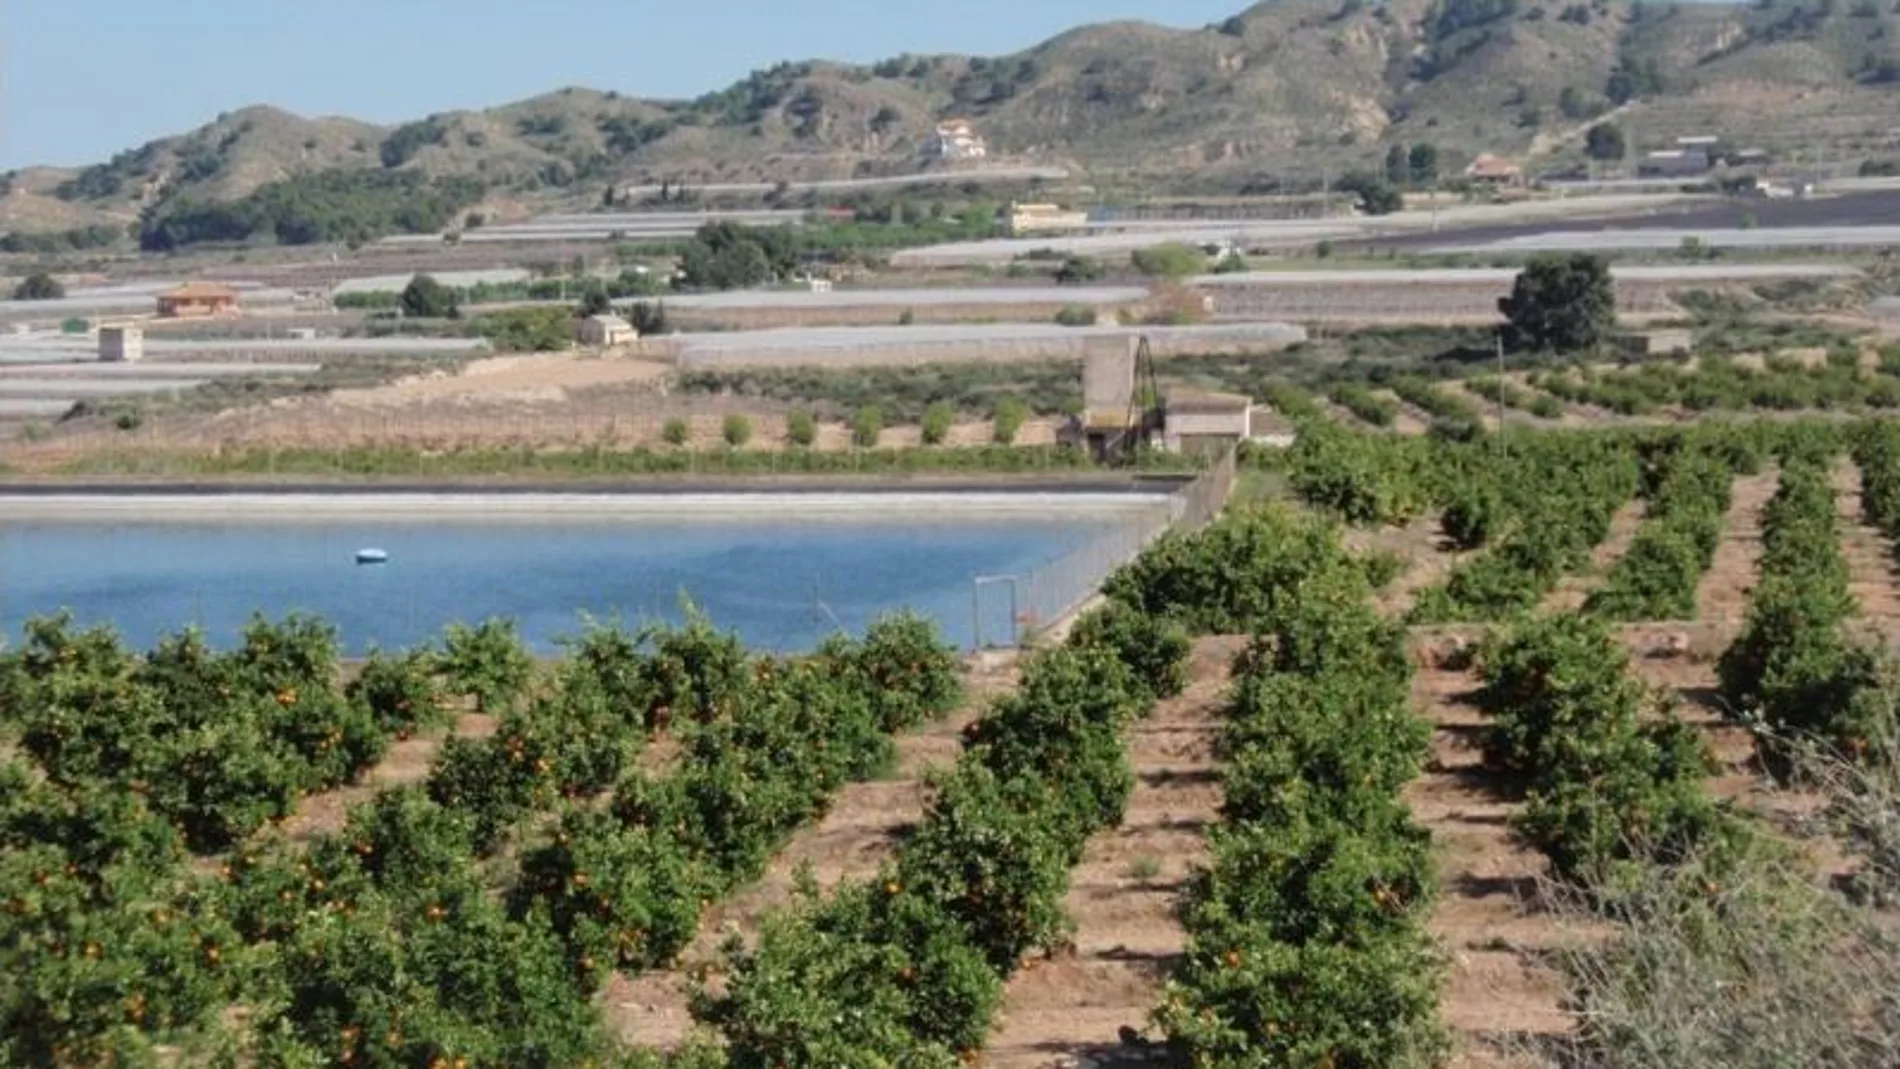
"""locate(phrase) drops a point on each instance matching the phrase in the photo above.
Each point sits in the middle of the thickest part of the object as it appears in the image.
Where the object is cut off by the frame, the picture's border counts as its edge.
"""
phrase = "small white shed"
(605, 331)
(121, 345)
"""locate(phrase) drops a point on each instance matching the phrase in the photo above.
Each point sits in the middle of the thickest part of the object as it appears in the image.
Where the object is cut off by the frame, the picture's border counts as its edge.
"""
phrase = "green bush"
(39, 286)
(1658, 576)
(1010, 414)
(737, 430)
(1077, 270)
(527, 330)
(674, 431)
(1363, 403)
(1155, 647)
(867, 425)
(1171, 260)
(937, 421)
(801, 429)
(488, 663)
(1076, 315)
(1232, 576)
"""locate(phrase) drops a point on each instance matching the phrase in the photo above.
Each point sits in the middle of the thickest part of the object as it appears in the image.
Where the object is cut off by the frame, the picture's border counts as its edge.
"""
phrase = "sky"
(82, 79)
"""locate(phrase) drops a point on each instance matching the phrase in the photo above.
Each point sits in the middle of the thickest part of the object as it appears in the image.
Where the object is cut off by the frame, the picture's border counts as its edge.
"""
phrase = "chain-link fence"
(1005, 608)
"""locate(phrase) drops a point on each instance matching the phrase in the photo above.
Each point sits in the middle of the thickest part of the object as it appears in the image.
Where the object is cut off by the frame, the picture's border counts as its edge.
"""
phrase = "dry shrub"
(1762, 963)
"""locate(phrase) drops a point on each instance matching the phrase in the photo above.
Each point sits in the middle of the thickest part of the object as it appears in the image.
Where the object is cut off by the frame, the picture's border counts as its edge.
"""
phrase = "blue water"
(781, 584)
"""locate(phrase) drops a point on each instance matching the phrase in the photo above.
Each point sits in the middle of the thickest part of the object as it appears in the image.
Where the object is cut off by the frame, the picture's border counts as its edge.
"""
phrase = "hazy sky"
(81, 79)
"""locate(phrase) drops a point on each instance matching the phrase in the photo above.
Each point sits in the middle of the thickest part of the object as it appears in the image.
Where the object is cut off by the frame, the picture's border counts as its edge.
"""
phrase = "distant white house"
(957, 140)
(605, 331)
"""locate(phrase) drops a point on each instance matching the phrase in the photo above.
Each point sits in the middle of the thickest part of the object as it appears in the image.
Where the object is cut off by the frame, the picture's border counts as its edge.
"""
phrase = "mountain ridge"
(1284, 89)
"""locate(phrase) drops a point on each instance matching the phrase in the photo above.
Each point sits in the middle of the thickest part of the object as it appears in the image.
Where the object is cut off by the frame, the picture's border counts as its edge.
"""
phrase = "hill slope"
(1285, 88)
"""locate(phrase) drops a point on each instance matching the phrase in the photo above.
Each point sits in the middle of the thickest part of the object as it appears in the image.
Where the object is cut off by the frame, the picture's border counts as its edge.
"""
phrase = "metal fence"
(1005, 608)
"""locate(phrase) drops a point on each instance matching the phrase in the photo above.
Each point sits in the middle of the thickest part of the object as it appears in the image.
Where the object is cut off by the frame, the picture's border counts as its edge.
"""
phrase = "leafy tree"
(39, 286)
(335, 205)
(1606, 142)
(81, 238)
(1632, 79)
(527, 330)
(1376, 196)
(1422, 164)
(1397, 168)
(648, 318)
(425, 298)
(594, 302)
(1561, 302)
(734, 256)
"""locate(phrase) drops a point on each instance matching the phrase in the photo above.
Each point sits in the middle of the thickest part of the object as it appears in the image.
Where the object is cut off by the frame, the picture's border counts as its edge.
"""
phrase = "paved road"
(846, 185)
(1854, 210)
(1791, 237)
(1286, 233)
(1506, 275)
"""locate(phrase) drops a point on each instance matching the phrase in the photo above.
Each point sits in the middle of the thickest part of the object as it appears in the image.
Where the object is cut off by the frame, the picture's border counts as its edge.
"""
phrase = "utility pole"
(1502, 385)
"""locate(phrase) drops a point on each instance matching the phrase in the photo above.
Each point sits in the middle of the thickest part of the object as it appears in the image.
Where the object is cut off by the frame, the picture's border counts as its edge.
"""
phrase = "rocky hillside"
(1281, 90)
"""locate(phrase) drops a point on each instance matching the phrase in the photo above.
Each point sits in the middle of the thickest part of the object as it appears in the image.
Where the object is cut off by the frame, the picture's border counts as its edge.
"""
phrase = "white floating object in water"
(371, 556)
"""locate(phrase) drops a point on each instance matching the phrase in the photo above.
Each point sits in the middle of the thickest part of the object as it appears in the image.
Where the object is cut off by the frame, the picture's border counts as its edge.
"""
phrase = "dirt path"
(1501, 995)
(855, 836)
(1503, 998)
(1574, 589)
(1870, 558)
(1427, 554)
(407, 762)
(1073, 1009)
(1680, 657)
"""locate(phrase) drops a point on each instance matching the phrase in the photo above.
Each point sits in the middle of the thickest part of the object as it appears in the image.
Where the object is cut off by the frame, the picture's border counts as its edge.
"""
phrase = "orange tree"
(764, 746)
(111, 949)
(1793, 672)
(219, 743)
(1609, 788)
(1553, 496)
(1685, 510)
(909, 967)
(1309, 919)
(1230, 576)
